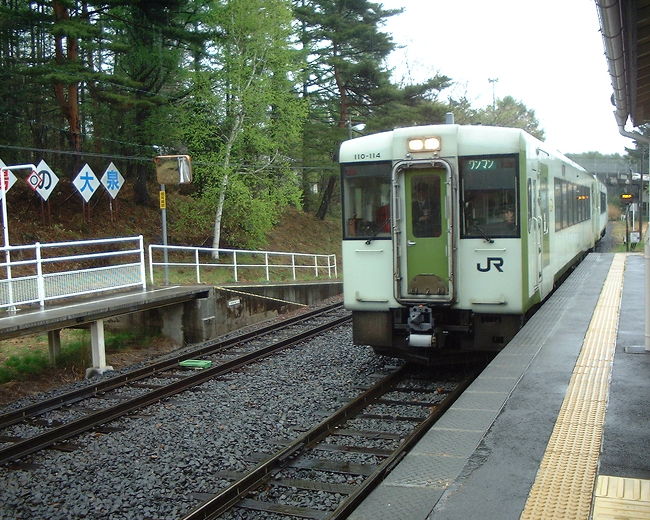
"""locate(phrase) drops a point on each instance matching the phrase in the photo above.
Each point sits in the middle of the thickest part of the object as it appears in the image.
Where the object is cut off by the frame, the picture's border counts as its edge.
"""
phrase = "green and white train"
(453, 234)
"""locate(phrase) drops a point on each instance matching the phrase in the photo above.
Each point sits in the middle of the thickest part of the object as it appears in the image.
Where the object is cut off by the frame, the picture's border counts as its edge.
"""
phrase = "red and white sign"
(33, 180)
(8, 179)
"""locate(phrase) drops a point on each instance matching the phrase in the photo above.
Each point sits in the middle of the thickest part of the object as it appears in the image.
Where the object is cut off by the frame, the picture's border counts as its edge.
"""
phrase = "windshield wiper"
(483, 233)
(377, 231)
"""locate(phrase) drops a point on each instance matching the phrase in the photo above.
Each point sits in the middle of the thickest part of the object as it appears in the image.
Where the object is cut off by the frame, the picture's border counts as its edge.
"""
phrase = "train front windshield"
(489, 196)
(366, 200)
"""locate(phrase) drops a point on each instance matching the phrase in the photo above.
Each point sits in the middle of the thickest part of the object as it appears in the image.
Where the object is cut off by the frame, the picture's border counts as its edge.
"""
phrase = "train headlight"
(424, 144)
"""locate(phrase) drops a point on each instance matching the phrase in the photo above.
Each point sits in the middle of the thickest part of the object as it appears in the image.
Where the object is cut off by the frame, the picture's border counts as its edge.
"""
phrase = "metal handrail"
(38, 282)
(329, 261)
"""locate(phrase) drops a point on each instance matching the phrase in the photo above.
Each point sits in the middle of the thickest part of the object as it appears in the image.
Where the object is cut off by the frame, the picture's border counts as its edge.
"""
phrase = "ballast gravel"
(164, 454)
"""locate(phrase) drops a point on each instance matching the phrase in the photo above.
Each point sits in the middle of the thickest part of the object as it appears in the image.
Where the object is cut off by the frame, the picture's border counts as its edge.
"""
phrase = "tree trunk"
(67, 94)
(234, 131)
(327, 197)
(142, 173)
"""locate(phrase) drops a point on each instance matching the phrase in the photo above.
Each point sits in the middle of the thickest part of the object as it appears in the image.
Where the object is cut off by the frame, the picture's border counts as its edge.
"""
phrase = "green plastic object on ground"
(195, 363)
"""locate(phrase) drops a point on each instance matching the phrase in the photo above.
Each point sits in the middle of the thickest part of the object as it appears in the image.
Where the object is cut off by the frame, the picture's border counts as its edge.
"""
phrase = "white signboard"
(112, 180)
(86, 182)
(48, 180)
(8, 178)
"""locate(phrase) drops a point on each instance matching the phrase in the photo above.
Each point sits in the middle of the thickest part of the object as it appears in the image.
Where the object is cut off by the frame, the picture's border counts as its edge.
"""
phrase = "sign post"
(47, 182)
(627, 199)
(86, 184)
(170, 169)
(112, 181)
(162, 196)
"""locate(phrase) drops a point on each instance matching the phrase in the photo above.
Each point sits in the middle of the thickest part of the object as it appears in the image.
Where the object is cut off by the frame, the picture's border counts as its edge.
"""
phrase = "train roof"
(469, 140)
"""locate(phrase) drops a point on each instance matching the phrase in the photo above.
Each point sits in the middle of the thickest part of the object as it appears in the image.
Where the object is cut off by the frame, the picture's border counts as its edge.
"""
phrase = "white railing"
(42, 276)
(238, 259)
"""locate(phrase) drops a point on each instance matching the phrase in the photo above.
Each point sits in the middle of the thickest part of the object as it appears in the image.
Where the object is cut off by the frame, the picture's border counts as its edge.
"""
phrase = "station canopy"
(625, 26)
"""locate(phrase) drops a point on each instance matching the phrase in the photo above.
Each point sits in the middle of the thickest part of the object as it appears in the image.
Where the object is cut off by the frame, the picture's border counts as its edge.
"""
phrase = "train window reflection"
(489, 196)
(366, 200)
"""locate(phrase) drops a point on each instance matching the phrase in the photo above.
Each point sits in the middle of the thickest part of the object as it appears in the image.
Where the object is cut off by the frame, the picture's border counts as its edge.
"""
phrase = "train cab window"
(490, 207)
(425, 206)
(366, 200)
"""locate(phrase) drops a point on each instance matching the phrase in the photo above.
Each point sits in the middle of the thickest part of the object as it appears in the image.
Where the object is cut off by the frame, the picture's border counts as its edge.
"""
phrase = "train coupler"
(420, 322)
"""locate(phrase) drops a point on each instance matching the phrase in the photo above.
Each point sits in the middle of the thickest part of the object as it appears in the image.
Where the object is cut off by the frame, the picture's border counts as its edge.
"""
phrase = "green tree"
(507, 111)
(243, 120)
(410, 105)
(103, 75)
(344, 78)
(638, 155)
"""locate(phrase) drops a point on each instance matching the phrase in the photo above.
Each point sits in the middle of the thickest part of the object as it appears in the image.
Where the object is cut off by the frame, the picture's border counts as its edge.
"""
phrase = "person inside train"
(421, 210)
(425, 209)
(509, 224)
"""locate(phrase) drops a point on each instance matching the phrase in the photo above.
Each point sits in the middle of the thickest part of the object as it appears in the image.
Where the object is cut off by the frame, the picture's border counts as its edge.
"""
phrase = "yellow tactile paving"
(618, 498)
(563, 487)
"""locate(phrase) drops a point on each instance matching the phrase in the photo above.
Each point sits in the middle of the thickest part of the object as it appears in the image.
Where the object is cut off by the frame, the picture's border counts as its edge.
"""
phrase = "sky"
(547, 54)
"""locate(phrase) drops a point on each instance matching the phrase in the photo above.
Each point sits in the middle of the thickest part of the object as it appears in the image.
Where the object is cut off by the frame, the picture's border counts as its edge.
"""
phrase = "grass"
(617, 230)
(20, 362)
(300, 232)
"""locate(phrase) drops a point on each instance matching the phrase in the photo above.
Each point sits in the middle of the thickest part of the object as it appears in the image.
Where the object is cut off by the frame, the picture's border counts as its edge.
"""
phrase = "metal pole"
(143, 270)
(645, 348)
(5, 234)
(196, 263)
(40, 281)
(627, 228)
(163, 211)
(646, 254)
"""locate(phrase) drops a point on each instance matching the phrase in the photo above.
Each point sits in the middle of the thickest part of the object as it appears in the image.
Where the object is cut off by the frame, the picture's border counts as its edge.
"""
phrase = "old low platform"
(92, 312)
(555, 427)
(71, 313)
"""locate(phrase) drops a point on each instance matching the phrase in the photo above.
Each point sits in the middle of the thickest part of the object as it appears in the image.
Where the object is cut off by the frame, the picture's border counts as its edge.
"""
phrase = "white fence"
(198, 258)
(39, 275)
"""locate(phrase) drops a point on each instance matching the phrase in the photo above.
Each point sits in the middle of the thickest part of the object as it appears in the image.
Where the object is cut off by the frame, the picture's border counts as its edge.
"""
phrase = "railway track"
(49, 423)
(400, 408)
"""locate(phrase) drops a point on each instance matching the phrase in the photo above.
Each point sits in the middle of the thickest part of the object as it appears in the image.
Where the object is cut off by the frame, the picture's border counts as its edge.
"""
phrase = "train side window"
(557, 196)
(489, 199)
(565, 205)
(366, 200)
(572, 204)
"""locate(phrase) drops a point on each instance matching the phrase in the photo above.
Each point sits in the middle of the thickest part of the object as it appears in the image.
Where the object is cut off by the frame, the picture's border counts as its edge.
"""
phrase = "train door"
(543, 206)
(535, 229)
(427, 235)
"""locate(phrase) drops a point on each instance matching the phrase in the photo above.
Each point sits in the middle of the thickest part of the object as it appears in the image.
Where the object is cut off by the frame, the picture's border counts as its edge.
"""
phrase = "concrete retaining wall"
(223, 310)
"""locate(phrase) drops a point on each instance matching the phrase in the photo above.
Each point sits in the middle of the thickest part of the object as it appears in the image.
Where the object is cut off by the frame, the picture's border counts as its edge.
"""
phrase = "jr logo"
(495, 261)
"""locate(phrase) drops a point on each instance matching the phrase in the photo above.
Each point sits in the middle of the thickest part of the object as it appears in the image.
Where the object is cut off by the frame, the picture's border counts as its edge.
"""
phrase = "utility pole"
(494, 98)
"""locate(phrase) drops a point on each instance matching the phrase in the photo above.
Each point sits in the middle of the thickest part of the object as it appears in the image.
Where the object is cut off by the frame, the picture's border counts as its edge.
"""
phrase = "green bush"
(74, 354)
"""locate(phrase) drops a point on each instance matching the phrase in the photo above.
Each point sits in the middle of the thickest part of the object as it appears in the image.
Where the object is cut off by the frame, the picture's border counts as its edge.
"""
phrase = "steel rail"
(73, 428)
(258, 475)
(213, 346)
(353, 501)
(238, 490)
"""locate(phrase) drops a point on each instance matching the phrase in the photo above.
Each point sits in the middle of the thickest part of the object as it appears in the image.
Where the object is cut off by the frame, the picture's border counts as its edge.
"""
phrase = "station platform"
(556, 427)
(80, 311)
